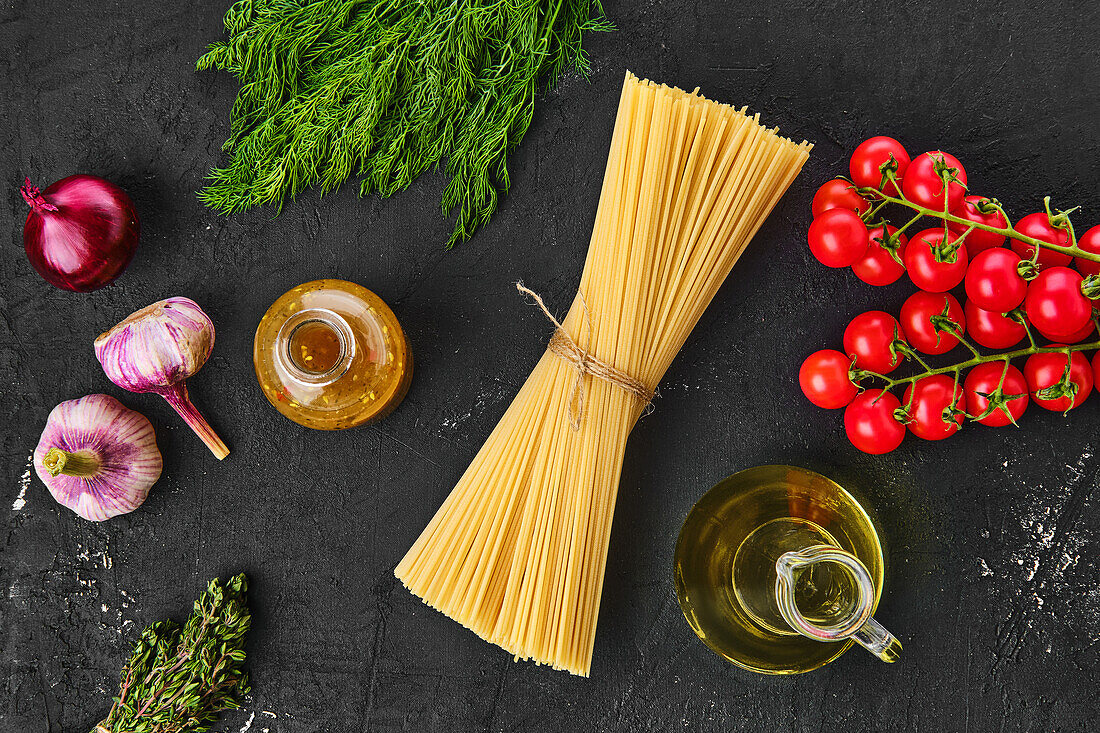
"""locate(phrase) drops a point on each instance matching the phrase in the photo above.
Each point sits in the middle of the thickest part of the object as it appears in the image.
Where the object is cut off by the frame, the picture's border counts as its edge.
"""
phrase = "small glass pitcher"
(780, 570)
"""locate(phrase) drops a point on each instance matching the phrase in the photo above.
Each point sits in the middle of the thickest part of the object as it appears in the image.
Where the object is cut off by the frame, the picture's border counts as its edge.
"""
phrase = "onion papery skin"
(123, 442)
(89, 240)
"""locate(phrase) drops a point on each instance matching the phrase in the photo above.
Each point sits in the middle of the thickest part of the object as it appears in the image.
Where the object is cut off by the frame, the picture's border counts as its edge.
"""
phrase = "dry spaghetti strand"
(517, 552)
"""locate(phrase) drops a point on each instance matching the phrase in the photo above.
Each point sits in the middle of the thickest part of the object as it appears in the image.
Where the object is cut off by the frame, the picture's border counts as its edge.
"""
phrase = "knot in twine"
(585, 363)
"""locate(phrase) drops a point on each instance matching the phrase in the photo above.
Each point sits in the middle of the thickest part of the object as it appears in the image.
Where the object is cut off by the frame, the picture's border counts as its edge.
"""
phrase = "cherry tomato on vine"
(1055, 304)
(877, 267)
(916, 321)
(992, 330)
(932, 403)
(925, 271)
(838, 237)
(870, 155)
(1076, 337)
(1090, 242)
(985, 380)
(978, 240)
(870, 423)
(824, 379)
(993, 282)
(1045, 370)
(923, 184)
(870, 337)
(1038, 226)
(838, 194)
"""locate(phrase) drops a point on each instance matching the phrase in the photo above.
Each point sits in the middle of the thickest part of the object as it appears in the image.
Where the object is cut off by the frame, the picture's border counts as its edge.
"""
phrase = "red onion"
(81, 232)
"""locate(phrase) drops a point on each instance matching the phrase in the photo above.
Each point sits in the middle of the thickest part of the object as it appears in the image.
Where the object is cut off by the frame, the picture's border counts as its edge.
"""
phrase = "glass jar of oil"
(329, 354)
(775, 562)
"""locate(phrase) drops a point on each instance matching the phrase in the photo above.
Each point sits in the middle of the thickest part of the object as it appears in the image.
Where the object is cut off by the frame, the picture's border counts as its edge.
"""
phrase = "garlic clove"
(155, 350)
(158, 346)
(97, 457)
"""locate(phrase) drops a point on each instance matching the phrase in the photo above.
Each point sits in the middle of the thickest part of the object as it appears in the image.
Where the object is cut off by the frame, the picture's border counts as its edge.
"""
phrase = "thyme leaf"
(179, 680)
(386, 90)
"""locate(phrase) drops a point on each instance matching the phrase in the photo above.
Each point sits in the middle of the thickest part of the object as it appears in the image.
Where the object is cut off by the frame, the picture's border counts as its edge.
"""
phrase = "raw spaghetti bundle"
(517, 551)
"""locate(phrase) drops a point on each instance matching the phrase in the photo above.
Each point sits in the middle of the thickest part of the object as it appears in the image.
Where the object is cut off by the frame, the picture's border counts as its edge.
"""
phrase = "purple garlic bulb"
(98, 457)
(155, 350)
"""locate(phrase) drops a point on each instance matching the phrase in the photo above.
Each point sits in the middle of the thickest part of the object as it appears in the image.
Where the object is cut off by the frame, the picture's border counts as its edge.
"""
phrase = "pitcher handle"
(856, 624)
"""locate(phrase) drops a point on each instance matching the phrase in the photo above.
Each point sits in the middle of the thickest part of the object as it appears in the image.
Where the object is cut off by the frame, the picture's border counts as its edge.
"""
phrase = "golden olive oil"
(725, 565)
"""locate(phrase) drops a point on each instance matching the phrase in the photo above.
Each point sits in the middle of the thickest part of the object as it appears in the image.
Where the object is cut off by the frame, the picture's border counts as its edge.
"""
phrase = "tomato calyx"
(892, 241)
(1090, 287)
(947, 173)
(942, 322)
(1064, 387)
(988, 205)
(1060, 219)
(947, 250)
(1029, 269)
(998, 401)
(888, 171)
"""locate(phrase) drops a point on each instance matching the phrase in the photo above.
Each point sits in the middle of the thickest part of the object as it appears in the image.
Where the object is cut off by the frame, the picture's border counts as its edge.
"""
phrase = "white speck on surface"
(1034, 569)
(248, 723)
(24, 484)
(103, 607)
(985, 571)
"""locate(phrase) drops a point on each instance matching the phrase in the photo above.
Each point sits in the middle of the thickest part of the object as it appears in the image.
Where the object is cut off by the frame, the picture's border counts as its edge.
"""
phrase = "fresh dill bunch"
(385, 90)
(179, 680)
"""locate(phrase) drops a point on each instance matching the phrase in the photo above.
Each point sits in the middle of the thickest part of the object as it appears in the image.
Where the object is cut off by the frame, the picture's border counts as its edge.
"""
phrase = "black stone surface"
(992, 535)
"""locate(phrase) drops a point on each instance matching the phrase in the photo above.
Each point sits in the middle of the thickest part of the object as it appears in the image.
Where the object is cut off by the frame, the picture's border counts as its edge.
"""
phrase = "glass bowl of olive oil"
(725, 566)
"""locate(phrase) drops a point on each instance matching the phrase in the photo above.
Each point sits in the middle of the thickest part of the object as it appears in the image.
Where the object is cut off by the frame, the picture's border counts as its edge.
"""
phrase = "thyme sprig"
(386, 90)
(179, 681)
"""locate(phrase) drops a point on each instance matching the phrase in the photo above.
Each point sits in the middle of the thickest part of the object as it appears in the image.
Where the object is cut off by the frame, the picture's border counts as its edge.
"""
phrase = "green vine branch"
(1058, 219)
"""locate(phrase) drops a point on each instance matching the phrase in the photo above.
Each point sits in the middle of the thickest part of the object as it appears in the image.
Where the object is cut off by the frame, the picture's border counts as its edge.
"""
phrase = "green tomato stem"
(978, 359)
(946, 216)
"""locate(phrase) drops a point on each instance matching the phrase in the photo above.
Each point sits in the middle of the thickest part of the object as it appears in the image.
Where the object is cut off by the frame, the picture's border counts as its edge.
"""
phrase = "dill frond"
(385, 90)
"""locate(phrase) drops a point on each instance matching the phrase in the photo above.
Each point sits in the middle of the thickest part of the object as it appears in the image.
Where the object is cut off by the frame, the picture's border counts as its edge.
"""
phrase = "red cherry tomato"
(1038, 226)
(993, 282)
(1046, 369)
(1055, 304)
(1090, 242)
(923, 185)
(824, 379)
(932, 409)
(1076, 337)
(877, 266)
(838, 237)
(869, 338)
(838, 194)
(978, 240)
(1095, 363)
(870, 423)
(984, 381)
(917, 325)
(992, 330)
(869, 157)
(923, 268)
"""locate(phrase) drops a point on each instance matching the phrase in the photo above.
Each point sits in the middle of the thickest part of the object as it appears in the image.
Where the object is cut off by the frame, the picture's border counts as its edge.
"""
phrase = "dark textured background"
(992, 535)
